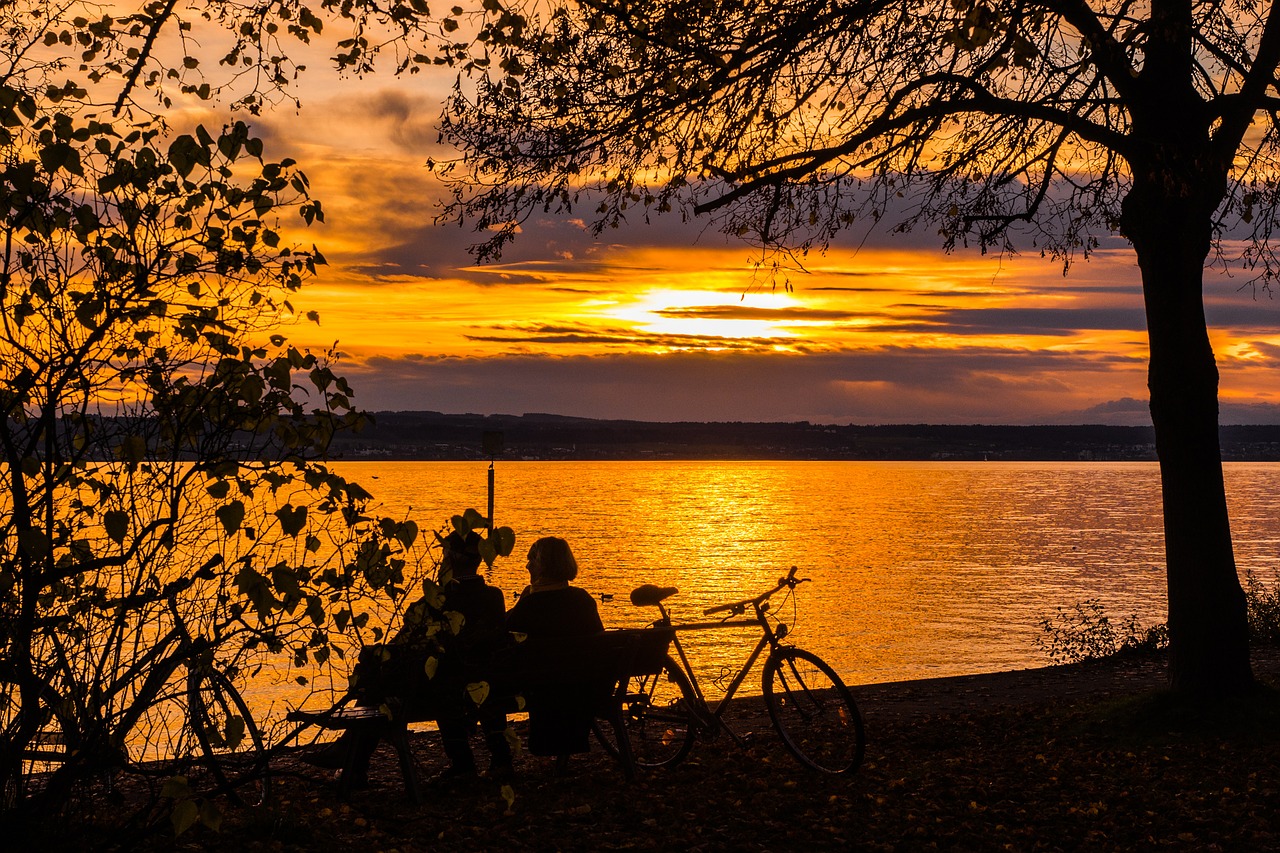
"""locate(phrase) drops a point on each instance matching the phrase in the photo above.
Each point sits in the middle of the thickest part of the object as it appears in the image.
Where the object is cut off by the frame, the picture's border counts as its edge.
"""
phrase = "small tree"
(162, 443)
(1056, 121)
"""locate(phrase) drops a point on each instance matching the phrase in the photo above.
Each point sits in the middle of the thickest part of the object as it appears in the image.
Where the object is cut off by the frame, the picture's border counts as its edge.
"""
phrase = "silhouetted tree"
(154, 421)
(1055, 121)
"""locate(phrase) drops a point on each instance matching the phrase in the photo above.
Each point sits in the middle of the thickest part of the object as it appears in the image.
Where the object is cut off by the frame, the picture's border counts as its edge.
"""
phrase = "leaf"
(478, 691)
(407, 533)
(211, 815)
(285, 579)
(504, 541)
(184, 153)
(315, 610)
(456, 620)
(61, 155)
(176, 788)
(431, 665)
(116, 523)
(254, 586)
(508, 794)
(292, 519)
(185, 814)
(33, 543)
(231, 515)
(234, 733)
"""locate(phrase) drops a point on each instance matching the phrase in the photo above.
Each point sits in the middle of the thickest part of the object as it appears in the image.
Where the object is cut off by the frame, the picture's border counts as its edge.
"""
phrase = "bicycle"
(809, 705)
(211, 737)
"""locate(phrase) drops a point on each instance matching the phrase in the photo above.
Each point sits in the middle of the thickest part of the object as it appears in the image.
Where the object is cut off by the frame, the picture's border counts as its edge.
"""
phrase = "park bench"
(596, 668)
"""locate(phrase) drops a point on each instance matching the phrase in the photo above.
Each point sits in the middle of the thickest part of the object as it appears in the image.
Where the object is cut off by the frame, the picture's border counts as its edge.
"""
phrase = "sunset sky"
(670, 322)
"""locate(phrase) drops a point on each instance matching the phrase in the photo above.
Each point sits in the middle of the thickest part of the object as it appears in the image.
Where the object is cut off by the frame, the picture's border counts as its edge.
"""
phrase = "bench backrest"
(607, 656)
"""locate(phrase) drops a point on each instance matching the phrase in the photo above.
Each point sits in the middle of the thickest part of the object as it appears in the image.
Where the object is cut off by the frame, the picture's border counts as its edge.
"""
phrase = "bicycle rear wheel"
(813, 711)
(53, 742)
(658, 718)
(233, 750)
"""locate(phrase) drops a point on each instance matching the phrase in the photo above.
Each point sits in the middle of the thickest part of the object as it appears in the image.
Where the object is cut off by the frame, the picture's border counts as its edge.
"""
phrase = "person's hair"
(555, 559)
(463, 552)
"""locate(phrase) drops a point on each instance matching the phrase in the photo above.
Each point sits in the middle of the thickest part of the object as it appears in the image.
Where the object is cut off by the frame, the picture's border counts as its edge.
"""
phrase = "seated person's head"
(460, 554)
(550, 560)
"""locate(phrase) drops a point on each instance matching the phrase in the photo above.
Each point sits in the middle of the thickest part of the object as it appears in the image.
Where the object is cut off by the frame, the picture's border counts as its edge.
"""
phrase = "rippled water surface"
(919, 569)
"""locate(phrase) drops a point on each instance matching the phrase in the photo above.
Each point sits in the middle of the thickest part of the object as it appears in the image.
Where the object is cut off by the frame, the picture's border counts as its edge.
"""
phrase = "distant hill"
(432, 435)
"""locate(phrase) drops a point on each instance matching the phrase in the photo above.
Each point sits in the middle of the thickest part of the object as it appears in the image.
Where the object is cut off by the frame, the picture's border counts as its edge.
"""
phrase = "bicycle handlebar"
(736, 607)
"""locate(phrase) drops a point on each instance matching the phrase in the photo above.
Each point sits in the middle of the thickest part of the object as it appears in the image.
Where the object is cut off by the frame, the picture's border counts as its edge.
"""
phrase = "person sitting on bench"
(397, 670)
(560, 721)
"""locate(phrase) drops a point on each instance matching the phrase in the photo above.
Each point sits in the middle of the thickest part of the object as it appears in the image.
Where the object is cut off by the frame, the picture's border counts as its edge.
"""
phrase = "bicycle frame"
(710, 718)
(807, 702)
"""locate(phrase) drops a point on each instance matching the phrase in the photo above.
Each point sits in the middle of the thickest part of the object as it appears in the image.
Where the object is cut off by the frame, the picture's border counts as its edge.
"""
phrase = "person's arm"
(518, 616)
(589, 614)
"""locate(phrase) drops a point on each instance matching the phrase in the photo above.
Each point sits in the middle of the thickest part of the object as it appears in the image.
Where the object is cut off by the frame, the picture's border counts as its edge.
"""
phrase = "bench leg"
(626, 757)
(355, 766)
(347, 774)
(399, 737)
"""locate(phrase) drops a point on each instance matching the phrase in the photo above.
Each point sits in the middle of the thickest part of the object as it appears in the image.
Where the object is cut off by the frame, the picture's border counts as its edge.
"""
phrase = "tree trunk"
(1208, 623)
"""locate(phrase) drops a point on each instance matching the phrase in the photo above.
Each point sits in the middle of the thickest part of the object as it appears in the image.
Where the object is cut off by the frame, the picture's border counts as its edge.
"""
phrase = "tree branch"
(982, 103)
(131, 80)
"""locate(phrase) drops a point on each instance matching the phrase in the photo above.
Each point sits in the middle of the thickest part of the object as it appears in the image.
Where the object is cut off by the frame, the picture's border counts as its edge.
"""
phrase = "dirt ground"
(1089, 756)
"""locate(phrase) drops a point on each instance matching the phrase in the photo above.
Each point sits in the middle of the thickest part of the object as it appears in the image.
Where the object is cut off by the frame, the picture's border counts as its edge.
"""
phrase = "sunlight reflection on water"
(920, 569)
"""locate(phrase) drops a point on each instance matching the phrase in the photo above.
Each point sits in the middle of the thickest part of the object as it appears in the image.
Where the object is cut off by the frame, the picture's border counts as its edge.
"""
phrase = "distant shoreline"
(408, 436)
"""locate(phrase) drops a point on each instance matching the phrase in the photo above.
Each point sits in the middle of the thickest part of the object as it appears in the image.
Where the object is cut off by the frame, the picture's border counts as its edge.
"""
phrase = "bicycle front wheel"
(232, 747)
(813, 711)
(658, 716)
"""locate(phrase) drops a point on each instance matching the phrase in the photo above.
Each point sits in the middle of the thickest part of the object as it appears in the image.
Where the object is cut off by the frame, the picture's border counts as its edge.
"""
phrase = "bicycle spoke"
(233, 752)
(657, 717)
(813, 711)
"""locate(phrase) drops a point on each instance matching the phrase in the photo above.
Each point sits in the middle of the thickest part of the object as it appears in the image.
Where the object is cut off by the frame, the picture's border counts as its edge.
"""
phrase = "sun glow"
(705, 314)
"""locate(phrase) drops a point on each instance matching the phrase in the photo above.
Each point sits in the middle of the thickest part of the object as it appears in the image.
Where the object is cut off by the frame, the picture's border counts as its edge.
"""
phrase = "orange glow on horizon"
(401, 291)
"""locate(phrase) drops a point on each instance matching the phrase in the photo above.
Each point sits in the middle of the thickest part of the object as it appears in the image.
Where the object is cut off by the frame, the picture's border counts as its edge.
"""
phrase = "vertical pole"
(492, 447)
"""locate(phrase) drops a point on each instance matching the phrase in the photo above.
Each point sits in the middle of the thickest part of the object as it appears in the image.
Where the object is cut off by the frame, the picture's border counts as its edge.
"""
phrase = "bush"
(1263, 602)
(1085, 632)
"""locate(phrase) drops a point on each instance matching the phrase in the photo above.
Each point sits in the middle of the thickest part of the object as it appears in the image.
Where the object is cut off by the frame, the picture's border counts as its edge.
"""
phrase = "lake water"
(919, 569)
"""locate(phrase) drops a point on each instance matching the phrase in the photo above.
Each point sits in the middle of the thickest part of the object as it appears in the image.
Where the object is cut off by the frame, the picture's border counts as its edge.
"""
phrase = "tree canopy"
(1049, 124)
(1014, 122)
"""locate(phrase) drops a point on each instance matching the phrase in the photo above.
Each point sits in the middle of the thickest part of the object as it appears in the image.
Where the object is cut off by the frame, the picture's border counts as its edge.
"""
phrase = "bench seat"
(596, 668)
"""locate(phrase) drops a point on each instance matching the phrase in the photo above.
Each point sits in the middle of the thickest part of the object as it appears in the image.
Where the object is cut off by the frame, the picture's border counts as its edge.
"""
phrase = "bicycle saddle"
(649, 595)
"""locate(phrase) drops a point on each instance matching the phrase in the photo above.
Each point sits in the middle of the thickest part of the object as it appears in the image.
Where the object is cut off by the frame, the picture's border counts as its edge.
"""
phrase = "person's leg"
(455, 736)
(494, 725)
(332, 756)
(364, 742)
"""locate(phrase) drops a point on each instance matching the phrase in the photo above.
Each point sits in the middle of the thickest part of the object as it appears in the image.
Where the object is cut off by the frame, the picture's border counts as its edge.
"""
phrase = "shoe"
(356, 783)
(455, 777)
(332, 757)
(502, 774)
